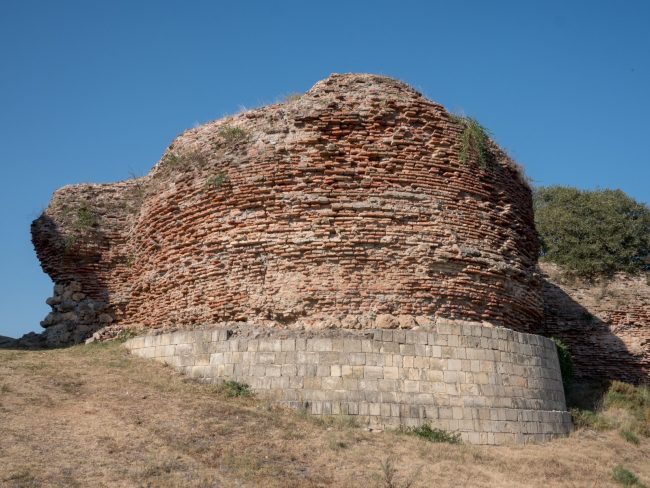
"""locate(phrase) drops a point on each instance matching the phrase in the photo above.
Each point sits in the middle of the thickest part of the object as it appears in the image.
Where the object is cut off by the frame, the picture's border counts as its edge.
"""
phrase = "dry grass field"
(93, 416)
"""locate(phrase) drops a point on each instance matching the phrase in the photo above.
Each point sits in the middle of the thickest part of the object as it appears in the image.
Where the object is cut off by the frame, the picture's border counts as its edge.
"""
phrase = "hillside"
(95, 416)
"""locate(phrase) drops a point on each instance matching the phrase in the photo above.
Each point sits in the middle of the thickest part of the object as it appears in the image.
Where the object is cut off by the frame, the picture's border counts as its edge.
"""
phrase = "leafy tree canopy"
(592, 233)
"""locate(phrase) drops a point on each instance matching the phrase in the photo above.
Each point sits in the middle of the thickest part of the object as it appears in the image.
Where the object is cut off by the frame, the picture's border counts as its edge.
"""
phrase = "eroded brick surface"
(346, 208)
(606, 324)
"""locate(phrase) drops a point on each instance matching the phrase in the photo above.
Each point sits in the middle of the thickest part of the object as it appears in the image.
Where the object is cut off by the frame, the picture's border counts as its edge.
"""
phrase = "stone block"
(323, 370)
(411, 386)
(356, 359)
(289, 370)
(352, 345)
(288, 345)
(318, 345)
(390, 372)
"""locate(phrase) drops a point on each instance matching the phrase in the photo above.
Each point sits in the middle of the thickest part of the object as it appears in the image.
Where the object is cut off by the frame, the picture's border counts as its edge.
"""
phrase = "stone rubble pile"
(74, 316)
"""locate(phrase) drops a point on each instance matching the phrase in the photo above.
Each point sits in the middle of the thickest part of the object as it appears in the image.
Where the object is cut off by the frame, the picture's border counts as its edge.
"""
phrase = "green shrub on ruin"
(216, 181)
(80, 219)
(592, 233)
(231, 134)
(432, 434)
(474, 142)
(236, 389)
(69, 243)
(85, 217)
(566, 363)
(186, 159)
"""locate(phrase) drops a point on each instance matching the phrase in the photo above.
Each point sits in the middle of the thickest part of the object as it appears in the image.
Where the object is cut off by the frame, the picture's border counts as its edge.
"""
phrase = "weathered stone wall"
(346, 208)
(606, 324)
(493, 385)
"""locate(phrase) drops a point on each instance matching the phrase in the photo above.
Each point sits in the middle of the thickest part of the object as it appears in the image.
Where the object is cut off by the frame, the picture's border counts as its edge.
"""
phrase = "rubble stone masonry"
(491, 385)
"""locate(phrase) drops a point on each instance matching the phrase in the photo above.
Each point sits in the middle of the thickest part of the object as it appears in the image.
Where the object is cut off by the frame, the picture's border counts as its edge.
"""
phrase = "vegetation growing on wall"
(591, 233)
(566, 362)
(216, 181)
(81, 219)
(232, 134)
(474, 140)
(186, 159)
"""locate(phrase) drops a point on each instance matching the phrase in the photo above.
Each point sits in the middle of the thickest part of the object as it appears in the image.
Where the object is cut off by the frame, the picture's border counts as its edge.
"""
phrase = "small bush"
(85, 218)
(231, 134)
(588, 419)
(215, 182)
(566, 362)
(172, 159)
(431, 434)
(69, 243)
(630, 437)
(625, 477)
(474, 140)
(236, 389)
(126, 334)
(389, 475)
(187, 159)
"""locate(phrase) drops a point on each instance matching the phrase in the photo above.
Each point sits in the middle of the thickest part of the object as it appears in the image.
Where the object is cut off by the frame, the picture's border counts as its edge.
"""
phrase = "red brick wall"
(606, 324)
(343, 206)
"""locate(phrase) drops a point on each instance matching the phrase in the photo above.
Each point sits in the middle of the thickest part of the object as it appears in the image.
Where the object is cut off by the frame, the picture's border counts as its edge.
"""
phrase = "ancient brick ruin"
(345, 211)
(346, 208)
(605, 323)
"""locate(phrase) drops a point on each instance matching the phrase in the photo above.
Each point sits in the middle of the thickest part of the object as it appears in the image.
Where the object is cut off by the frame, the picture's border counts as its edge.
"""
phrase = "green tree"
(592, 233)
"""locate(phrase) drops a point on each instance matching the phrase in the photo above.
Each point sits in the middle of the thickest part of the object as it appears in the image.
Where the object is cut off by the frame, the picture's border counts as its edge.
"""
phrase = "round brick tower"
(346, 207)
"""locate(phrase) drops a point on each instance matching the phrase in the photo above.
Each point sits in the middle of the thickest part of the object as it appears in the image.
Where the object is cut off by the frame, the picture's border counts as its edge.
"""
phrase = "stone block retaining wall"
(492, 385)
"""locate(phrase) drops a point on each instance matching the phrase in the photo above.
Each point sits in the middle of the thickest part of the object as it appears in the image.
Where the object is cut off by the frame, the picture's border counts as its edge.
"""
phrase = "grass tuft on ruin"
(474, 142)
(216, 181)
(234, 388)
(231, 134)
(432, 434)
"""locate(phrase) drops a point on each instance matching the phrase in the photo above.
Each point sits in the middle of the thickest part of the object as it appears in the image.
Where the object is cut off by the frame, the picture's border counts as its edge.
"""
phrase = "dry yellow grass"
(94, 416)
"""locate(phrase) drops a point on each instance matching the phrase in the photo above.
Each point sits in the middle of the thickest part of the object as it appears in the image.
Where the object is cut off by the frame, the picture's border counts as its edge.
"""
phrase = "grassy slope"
(94, 416)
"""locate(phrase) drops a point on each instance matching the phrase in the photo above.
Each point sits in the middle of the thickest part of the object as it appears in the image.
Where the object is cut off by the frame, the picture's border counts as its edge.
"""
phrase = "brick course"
(346, 208)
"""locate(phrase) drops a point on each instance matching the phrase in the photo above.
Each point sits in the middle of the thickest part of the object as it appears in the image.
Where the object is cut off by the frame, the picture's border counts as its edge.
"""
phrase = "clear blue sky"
(94, 91)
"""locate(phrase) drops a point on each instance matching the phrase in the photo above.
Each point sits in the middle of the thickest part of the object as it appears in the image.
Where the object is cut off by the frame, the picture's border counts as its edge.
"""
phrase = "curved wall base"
(492, 385)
